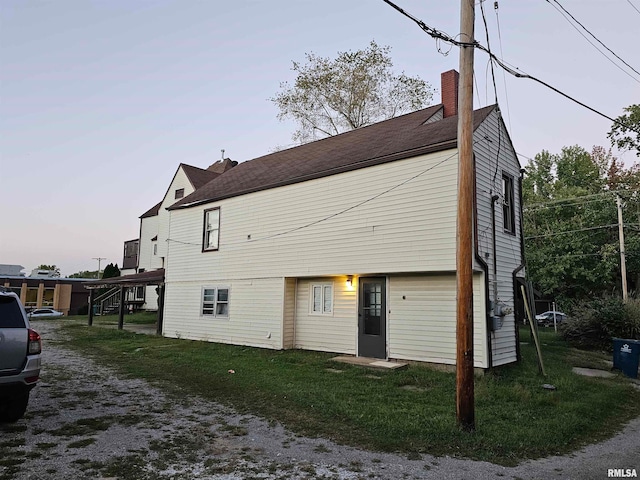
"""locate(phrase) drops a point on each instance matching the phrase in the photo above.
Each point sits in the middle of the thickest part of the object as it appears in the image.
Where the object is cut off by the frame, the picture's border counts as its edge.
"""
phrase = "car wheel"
(15, 408)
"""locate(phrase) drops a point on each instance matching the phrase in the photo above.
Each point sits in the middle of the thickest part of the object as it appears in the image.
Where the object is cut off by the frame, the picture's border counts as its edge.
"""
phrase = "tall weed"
(595, 322)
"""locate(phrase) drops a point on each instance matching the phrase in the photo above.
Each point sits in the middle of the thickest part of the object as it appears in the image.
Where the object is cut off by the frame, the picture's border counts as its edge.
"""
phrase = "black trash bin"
(626, 356)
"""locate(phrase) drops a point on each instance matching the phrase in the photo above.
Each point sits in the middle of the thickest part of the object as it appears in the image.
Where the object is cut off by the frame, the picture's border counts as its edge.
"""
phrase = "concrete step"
(370, 362)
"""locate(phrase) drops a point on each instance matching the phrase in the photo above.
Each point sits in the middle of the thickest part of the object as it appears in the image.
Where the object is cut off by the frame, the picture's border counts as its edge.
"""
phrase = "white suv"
(20, 349)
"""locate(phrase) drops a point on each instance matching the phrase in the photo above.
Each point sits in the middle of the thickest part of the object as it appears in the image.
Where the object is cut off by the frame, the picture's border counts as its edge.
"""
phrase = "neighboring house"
(67, 295)
(130, 257)
(346, 244)
(40, 273)
(154, 224)
(11, 270)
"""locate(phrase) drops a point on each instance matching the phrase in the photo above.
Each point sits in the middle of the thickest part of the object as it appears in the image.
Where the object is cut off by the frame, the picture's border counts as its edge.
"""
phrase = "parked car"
(546, 319)
(44, 312)
(20, 349)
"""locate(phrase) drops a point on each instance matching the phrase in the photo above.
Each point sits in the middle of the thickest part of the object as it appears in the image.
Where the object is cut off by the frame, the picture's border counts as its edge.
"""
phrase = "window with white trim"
(321, 299)
(211, 229)
(215, 302)
(508, 204)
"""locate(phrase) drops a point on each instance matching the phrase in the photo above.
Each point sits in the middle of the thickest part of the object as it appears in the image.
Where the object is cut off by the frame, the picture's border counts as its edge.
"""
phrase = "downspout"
(520, 267)
(484, 266)
(494, 198)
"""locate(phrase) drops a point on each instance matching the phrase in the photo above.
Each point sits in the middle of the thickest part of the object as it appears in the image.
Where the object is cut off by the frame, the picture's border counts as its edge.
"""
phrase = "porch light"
(349, 281)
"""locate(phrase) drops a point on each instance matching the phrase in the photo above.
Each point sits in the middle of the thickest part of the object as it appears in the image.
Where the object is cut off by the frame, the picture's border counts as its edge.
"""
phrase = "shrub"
(595, 322)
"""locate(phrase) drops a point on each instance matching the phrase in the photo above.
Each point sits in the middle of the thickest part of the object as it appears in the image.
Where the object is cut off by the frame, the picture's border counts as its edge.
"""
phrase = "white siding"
(422, 319)
(255, 312)
(288, 322)
(180, 180)
(147, 260)
(495, 154)
(158, 227)
(396, 219)
(329, 333)
(270, 233)
(148, 230)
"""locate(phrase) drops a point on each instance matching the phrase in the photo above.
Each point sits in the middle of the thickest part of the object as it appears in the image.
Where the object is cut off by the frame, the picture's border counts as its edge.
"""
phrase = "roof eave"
(326, 173)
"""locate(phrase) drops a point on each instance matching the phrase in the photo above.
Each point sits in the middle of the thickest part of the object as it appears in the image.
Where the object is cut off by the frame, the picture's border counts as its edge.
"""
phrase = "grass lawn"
(410, 411)
(138, 318)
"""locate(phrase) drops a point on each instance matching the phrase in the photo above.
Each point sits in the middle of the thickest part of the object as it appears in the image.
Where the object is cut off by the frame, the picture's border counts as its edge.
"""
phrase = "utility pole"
(465, 409)
(623, 262)
(99, 260)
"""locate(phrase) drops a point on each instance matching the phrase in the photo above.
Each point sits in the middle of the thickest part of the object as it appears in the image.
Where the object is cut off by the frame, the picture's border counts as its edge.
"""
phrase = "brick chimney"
(449, 92)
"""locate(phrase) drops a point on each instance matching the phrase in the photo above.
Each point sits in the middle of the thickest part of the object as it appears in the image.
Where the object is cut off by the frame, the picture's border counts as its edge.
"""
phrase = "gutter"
(370, 162)
(485, 268)
(520, 267)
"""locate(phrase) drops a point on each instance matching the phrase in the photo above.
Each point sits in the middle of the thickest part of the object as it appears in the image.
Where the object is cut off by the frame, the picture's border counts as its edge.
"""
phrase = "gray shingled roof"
(401, 137)
(152, 277)
(152, 212)
(197, 176)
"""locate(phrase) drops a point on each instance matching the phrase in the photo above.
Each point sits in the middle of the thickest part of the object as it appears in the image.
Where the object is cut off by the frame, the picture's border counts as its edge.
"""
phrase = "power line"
(486, 31)
(504, 77)
(515, 72)
(582, 255)
(333, 215)
(561, 205)
(632, 5)
(328, 217)
(524, 156)
(571, 231)
(518, 74)
(592, 195)
(564, 13)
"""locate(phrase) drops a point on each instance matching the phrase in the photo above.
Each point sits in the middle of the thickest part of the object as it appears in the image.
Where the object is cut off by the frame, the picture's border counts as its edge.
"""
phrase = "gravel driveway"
(86, 421)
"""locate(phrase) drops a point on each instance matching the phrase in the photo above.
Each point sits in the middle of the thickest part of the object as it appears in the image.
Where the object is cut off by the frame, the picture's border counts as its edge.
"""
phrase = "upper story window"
(211, 236)
(179, 193)
(131, 248)
(322, 299)
(155, 249)
(508, 204)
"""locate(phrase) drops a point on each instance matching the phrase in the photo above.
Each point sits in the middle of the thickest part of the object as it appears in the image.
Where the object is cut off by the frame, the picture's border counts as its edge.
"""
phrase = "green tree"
(85, 274)
(625, 132)
(111, 271)
(358, 88)
(570, 222)
(53, 268)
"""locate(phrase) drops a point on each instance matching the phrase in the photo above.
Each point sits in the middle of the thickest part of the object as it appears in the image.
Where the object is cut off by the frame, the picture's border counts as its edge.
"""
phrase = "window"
(131, 248)
(508, 205)
(47, 297)
(322, 299)
(215, 302)
(179, 193)
(211, 229)
(155, 248)
(10, 314)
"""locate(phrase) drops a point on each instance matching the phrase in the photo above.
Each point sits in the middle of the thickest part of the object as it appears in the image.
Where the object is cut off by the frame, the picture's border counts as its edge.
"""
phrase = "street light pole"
(623, 262)
(99, 260)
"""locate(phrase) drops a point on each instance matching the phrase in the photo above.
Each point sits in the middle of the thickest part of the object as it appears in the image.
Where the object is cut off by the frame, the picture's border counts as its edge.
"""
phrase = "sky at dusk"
(101, 100)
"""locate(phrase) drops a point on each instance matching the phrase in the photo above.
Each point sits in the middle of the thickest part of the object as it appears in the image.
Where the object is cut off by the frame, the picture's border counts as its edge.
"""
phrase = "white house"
(346, 244)
(154, 223)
